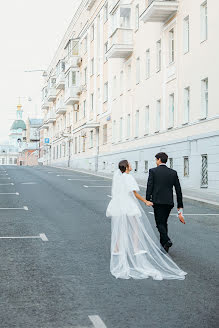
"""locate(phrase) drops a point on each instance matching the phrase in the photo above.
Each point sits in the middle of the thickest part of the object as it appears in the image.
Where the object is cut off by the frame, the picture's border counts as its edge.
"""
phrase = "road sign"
(46, 140)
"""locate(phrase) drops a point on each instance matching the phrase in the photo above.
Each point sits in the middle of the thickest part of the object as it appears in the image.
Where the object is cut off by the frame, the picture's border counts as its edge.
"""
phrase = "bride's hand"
(148, 203)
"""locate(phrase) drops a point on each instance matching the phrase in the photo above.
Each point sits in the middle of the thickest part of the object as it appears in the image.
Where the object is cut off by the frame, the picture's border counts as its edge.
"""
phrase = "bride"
(135, 250)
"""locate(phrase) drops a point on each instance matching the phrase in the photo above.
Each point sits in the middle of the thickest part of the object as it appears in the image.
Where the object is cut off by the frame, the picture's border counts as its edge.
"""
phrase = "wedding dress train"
(135, 250)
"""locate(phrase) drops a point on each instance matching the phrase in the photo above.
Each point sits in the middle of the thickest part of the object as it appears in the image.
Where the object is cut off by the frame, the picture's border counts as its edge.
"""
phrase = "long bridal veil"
(135, 250)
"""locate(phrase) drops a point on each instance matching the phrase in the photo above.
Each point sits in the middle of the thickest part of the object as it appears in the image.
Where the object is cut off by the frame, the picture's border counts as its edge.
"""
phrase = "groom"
(160, 191)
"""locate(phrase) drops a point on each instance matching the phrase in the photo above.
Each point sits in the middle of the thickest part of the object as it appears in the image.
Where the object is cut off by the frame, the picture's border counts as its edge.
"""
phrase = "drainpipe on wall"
(97, 149)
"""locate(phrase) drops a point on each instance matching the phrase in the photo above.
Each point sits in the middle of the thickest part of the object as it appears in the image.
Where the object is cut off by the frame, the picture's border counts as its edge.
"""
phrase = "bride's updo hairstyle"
(123, 165)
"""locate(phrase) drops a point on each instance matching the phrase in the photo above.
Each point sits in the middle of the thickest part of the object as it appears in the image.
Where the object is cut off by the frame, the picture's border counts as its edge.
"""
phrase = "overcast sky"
(30, 33)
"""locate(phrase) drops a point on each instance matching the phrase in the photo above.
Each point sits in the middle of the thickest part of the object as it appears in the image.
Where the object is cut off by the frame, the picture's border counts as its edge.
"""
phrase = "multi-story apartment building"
(134, 77)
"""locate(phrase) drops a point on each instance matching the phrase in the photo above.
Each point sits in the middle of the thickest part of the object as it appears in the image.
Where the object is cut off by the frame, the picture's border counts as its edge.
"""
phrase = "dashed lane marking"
(29, 183)
(97, 321)
(7, 184)
(193, 214)
(83, 180)
(25, 208)
(9, 193)
(97, 186)
(41, 236)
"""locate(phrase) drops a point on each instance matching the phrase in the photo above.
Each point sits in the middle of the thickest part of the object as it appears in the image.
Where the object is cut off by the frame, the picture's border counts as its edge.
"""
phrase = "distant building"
(31, 143)
(8, 154)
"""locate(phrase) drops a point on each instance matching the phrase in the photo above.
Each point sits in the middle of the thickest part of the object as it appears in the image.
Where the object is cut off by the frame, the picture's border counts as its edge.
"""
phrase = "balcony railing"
(51, 94)
(121, 43)
(60, 107)
(51, 117)
(159, 10)
(72, 95)
(60, 80)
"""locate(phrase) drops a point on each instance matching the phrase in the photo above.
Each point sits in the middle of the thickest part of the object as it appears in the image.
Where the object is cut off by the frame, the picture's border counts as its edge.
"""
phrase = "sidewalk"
(202, 195)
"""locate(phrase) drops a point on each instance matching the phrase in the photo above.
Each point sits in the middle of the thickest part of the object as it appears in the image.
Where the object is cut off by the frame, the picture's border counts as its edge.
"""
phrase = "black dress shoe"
(168, 245)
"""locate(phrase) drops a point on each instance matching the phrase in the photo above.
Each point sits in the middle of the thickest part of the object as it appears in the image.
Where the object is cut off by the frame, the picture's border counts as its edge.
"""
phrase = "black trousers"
(161, 214)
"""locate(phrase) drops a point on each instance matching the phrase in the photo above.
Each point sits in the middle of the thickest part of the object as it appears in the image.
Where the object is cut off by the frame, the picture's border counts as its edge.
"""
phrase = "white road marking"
(42, 236)
(4, 174)
(6, 178)
(25, 208)
(69, 175)
(82, 180)
(28, 183)
(9, 193)
(193, 214)
(96, 321)
(109, 196)
(96, 186)
(6, 184)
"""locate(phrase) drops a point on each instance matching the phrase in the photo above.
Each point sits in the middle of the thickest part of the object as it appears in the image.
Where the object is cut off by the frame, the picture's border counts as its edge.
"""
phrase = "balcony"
(51, 118)
(73, 62)
(45, 126)
(72, 95)
(45, 104)
(60, 107)
(159, 10)
(60, 81)
(121, 43)
(51, 94)
(90, 4)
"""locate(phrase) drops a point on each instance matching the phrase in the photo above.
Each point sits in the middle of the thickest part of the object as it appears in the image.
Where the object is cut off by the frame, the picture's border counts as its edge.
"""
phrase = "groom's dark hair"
(123, 165)
(162, 156)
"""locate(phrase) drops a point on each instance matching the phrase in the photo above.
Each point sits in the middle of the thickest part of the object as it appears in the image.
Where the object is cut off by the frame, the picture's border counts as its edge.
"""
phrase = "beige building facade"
(132, 78)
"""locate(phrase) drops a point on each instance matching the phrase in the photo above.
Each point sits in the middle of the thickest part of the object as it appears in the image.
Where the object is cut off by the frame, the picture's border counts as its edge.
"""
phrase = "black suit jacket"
(160, 186)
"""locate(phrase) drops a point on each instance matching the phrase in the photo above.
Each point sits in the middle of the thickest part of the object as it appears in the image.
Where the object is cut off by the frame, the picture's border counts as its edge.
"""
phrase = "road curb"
(195, 199)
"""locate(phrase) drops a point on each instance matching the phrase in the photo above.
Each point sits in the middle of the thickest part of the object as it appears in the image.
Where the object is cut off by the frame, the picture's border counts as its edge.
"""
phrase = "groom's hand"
(180, 215)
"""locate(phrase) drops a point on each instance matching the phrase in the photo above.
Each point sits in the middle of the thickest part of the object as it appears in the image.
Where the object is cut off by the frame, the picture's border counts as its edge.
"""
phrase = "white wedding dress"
(135, 250)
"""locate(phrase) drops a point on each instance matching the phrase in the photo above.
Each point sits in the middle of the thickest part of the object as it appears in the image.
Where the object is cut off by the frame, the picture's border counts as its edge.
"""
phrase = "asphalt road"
(64, 281)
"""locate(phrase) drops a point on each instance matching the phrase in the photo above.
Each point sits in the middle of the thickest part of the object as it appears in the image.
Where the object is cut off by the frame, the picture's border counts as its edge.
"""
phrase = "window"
(84, 108)
(85, 44)
(158, 55)
(57, 152)
(98, 104)
(186, 166)
(105, 51)
(114, 87)
(136, 166)
(186, 105)
(137, 70)
(171, 110)
(84, 143)
(79, 144)
(105, 134)
(76, 144)
(74, 78)
(171, 163)
(10, 160)
(85, 75)
(128, 126)
(158, 115)
(92, 67)
(105, 91)
(171, 46)
(92, 102)
(121, 82)
(91, 138)
(145, 166)
(137, 123)
(204, 100)
(106, 12)
(147, 63)
(129, 77)
(60, 151)
(125, 18)
(146, 118)
(204, 21)
(120, 128)
(204, 171)
(186, 34)
(114, 131)
(137, 17)
(92, 33)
